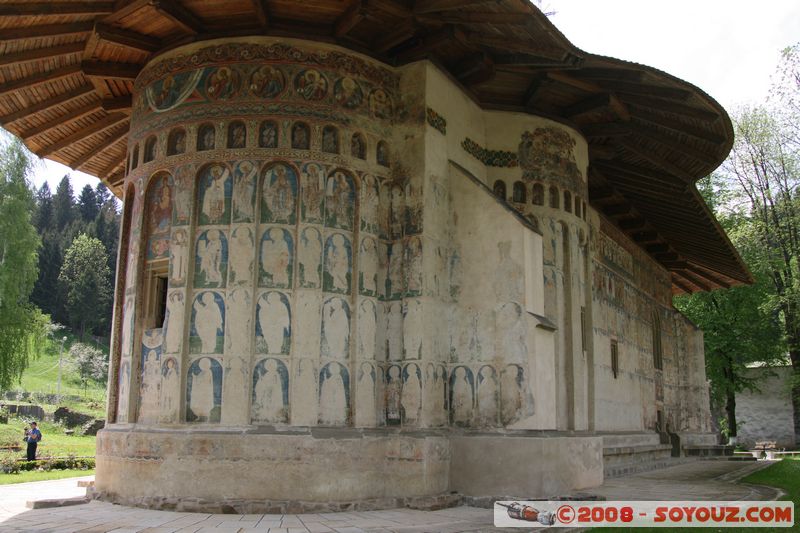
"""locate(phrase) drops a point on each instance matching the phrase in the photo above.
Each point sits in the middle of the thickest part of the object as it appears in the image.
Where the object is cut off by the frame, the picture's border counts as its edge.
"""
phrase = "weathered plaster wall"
(766, 414)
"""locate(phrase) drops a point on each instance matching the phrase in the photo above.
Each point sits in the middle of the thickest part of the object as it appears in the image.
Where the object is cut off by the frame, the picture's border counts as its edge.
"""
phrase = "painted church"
(374, 253)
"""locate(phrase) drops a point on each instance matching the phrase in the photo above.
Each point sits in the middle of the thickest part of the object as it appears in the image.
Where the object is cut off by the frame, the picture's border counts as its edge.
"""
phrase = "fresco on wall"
(435, 386)
(358, 146)
(334, 395)
(170, 92)
(182, 203)
(313, 187)
(413, 327)
(270, 391)
(150, 385)
(330, 140)
(462, 394)
(279, 194)
(173, 336)
(368, 205)
(211, 259)
(222, 83)
(512, 387)
(411, 394)
(413, 201)
(267, 82)
(339, 200)
(170, 390)
(335, 330)
(273, 323)
(239, 318)
(348, 93)
(268, 134)
(309, 257)
(413, 266)
(215, 191)
(311, 84)
(392, 393)
(368, 259)
(241, 256)
(159, 217)
(176, 142)
(237, 134)
(178, 263)
(366, 394)
(395, 281)
(301, 136)
(277, 258)
(394, 330)
(367, 323)
(487, 396)
(123, 388)
(337, 275)
(549, 154)
(397, 212)
(304, 390)
(207, 331)
(380, 104)
(513, 343)
(244, 191)
(204, 391)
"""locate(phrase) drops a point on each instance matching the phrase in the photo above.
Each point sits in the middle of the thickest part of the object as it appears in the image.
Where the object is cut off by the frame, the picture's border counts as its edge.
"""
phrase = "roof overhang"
(68, 67)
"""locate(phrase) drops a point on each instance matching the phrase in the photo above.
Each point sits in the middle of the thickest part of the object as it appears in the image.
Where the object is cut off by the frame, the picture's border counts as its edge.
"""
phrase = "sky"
(728, 48)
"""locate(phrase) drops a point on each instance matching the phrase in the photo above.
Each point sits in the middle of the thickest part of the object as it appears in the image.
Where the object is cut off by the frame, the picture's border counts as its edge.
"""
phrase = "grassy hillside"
(42, 377)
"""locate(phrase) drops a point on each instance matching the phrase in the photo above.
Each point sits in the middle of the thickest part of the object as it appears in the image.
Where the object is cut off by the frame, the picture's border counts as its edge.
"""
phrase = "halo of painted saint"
(279, 194)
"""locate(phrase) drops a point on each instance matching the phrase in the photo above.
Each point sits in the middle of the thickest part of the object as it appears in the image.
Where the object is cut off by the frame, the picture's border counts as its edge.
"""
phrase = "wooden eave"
(67, 70)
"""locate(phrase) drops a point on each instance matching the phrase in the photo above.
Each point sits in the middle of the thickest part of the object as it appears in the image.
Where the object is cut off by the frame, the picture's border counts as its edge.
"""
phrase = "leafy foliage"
(89, 362)
(85, 280)
(22, 325)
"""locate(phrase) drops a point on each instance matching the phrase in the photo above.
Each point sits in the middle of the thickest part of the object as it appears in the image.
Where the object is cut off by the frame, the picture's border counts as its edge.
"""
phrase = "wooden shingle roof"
(67, 69)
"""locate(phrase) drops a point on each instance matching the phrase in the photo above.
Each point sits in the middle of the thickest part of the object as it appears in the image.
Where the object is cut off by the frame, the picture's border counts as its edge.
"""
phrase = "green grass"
(54, 442)
(784, 475)
(34, 475)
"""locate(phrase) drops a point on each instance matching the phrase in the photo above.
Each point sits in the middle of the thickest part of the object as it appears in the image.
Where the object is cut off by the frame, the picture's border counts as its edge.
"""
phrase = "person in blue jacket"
(32, 437)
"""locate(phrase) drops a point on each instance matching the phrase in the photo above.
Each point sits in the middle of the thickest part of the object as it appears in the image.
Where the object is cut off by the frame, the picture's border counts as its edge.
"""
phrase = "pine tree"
(44, 209)
(87, 204)
(84, 279)
(64, 204)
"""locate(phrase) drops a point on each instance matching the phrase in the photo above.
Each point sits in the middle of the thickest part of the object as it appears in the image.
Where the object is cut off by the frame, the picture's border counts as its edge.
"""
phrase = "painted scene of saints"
(310, 258)
(211, 259)
(380, 104)
(158, 217)
(338, 264)
(334, 395)
(369, 204)
(313, 188)
(170, 389)
(270, 391)
(273, 323)
(347, 93)
(335, 334)
(311, 84)
(266, 82)
(244, 191)
(204, 391)
(462, 395)
(339, 200)
(214, 194)
(222, 83)
(207, 331)
(278, 194)
(277, 258)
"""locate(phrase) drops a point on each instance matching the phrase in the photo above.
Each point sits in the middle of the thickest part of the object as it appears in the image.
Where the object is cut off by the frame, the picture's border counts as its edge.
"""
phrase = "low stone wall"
(193, 468)
(32, 411)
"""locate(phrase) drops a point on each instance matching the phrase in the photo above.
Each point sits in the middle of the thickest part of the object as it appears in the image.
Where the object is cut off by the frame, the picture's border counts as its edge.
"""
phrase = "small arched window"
(578, 206)
(519, 193)
(499, 189)
(382, 154)
(176, 142)
(330, 140)
(206, 137)
(150, 149)
(301, 136)
(538, 194)
(358, 146)
(554, 199)
(268, 134)
(237, 134)
(567, 202)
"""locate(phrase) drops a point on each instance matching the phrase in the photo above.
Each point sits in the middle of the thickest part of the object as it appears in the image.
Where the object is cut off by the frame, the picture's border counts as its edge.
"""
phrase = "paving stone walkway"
(697, 480)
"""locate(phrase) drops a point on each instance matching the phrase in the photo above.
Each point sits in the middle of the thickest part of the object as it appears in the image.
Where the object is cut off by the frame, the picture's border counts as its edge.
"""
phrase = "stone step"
(56, 502)
(627, 469)
(621, 440)
(717, 450)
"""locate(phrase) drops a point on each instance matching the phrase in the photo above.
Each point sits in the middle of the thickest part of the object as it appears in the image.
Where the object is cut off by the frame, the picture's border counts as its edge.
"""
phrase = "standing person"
(32, 437)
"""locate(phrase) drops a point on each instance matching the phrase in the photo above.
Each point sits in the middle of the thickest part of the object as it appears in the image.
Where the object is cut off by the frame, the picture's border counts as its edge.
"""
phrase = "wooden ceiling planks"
(67, 70)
